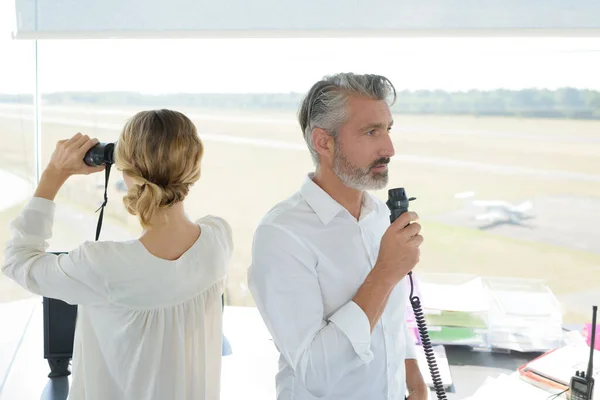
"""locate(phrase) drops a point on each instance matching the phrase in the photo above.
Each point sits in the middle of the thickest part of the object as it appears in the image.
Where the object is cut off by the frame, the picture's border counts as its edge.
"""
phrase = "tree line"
(544, 103)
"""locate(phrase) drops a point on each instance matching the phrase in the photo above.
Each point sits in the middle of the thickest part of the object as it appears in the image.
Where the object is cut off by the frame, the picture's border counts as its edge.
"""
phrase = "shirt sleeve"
(68, 277)
(411, 347)
(285, 287)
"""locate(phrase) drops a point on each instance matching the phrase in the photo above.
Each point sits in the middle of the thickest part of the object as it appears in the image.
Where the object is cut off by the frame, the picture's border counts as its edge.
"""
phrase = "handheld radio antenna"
(590, 370)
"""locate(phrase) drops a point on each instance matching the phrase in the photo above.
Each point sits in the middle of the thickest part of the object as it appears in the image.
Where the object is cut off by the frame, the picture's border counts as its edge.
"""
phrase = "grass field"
(507, 159)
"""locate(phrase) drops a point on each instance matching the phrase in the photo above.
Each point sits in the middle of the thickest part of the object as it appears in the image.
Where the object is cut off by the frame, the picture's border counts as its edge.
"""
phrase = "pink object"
(587, 333)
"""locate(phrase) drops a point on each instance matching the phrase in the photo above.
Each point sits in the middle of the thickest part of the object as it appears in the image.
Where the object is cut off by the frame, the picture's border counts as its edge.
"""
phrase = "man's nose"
(388, 148)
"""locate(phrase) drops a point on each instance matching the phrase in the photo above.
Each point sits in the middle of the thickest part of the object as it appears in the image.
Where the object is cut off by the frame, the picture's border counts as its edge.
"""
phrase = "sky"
(285, 65)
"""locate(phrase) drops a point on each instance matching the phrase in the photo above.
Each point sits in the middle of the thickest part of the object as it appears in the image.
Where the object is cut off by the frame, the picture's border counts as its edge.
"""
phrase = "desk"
(471, 368)
(469, 371)
(248, 373)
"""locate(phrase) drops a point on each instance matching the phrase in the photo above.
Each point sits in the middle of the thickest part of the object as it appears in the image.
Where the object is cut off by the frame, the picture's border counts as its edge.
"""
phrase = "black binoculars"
(100, 154)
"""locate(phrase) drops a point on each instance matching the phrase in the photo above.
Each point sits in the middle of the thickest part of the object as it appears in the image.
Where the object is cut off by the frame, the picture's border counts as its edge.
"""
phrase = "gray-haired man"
(328, 269)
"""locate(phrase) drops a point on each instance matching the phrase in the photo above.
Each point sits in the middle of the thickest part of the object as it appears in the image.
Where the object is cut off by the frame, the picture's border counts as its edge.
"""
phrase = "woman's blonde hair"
(160, 152)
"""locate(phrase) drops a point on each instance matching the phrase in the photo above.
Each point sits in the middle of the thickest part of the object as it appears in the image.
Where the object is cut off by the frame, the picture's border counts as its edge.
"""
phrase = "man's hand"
(399, 249)
(398, 255)
(419, 395)
(415, 383)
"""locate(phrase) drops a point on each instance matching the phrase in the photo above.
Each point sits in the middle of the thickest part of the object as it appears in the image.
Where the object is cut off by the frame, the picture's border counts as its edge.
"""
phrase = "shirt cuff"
(42, 205)
(410, 346)
(411, 350)
(354, 323)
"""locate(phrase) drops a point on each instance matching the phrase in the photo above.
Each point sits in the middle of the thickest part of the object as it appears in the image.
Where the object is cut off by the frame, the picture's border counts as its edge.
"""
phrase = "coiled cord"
(415, 302)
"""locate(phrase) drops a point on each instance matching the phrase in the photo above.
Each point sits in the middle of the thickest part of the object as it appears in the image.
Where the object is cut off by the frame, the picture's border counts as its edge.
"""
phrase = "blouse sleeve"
(67, 277)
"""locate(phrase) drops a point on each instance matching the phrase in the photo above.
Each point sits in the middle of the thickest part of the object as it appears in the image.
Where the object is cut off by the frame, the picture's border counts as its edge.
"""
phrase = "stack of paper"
(510, 387)
(498, 313)
(561, 364)
(455, 308)
(524, 315)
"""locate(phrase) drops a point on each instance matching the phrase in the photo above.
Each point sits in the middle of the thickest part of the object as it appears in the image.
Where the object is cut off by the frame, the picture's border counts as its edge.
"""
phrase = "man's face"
(363, 147)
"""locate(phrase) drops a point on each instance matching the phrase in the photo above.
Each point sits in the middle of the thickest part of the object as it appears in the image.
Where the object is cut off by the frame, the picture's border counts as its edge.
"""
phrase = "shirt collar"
(325, 206)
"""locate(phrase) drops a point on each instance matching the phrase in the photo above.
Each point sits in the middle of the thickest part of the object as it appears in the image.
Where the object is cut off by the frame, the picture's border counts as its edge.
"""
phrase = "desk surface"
(250, 369)
(470, 368)
(469, 371)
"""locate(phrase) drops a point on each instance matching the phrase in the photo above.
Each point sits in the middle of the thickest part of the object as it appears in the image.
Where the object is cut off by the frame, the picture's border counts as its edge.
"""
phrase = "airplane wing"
(504, 205)
(491, 216)
(524, 206)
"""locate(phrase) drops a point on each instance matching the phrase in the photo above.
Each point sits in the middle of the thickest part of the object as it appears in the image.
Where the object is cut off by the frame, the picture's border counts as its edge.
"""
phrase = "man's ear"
(323, 143)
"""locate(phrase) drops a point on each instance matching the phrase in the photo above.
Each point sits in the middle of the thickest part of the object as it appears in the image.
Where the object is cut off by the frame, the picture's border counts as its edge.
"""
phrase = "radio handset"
(398, 205)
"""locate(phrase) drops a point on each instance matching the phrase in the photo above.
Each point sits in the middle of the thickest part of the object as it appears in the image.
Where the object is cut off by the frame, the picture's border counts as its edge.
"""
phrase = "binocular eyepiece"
(100, 154)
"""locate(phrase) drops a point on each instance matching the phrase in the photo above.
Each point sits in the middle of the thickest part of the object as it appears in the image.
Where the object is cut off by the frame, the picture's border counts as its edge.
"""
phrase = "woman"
(149, 314)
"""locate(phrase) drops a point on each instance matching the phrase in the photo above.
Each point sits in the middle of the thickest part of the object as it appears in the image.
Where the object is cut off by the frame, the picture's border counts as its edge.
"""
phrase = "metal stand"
(58, 367)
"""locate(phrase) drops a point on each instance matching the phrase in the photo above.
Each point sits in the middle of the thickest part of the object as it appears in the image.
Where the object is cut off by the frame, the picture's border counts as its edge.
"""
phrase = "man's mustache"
(380, 162)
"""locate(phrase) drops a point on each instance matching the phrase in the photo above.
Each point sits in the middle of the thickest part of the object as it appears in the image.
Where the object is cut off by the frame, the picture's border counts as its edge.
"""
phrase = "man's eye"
(371, 132)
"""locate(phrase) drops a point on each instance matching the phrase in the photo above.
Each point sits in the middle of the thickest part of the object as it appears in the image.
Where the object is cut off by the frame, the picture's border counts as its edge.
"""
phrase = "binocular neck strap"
(101, 209)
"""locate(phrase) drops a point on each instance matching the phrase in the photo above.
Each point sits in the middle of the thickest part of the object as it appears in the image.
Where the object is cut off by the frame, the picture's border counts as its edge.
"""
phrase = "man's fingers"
(417, 240)
(405, 219)
(410, 231)
(413, 229)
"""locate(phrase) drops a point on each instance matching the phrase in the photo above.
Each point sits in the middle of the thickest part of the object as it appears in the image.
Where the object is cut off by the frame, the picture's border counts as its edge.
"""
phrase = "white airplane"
(499, 211)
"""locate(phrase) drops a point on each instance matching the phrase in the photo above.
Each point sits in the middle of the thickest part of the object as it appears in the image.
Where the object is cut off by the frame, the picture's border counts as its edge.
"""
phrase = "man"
(328, 269)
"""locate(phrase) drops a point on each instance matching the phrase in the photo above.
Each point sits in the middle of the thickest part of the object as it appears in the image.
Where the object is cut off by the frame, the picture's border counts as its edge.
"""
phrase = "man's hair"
(161, 152)
(324, 106)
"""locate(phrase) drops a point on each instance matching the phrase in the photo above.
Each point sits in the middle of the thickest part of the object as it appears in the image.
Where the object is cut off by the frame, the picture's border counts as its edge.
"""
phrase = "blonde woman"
(149, 310)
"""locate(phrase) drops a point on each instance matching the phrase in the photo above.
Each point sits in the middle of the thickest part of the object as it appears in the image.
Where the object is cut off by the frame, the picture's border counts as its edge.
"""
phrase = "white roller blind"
(296, 18)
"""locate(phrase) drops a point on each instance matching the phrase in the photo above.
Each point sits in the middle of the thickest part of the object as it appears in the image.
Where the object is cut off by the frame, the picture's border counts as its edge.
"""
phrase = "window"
(514, 121)
(476, 120)
(17, 134)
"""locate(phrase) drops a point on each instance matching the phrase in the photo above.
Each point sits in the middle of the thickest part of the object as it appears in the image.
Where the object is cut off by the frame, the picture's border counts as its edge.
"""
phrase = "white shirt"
(309, 258)
(147, 328)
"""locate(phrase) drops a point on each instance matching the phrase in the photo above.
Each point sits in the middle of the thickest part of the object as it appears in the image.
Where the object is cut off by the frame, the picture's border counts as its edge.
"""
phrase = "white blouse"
(147, 328)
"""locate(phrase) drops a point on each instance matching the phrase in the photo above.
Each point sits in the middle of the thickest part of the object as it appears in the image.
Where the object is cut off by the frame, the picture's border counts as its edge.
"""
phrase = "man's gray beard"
(354, 177)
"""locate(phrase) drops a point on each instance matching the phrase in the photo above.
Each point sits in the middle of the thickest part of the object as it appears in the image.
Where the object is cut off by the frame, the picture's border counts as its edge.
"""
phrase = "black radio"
(581, 388)
(582, 383)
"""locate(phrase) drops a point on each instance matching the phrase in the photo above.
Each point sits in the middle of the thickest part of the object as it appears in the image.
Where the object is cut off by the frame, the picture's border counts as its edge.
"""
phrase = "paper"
(561, 364)
(526, 304)
(466, 297)
(455, 318)
(509, 387)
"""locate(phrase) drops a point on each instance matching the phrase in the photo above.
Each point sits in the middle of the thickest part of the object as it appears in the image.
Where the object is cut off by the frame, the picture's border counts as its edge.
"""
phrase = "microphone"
(398, 203)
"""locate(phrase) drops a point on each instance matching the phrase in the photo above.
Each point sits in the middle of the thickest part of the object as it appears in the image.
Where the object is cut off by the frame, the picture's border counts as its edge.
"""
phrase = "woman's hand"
(66, 160)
